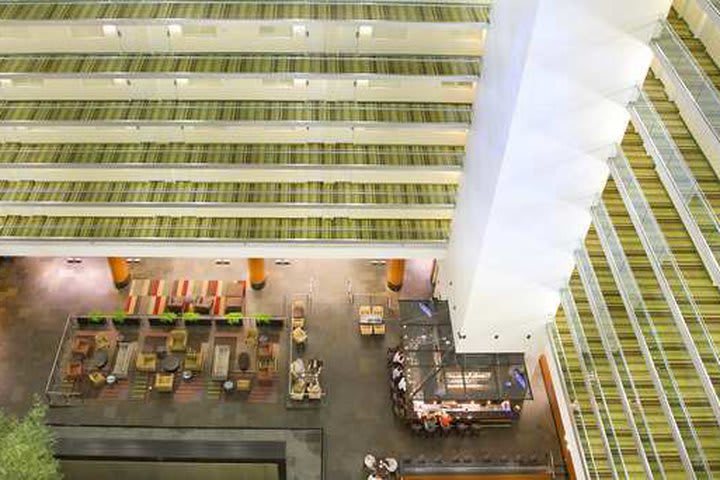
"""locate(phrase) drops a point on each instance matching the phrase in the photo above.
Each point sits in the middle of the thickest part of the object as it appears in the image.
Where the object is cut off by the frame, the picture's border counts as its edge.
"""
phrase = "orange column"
(395, 274)
(557, 418)
(120, 271)
(256, 272)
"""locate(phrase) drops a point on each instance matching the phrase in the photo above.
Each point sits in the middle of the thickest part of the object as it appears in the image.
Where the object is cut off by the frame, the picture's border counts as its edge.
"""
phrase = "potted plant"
(233, 319)
(28, 446)
(94, 319)
(166, 319)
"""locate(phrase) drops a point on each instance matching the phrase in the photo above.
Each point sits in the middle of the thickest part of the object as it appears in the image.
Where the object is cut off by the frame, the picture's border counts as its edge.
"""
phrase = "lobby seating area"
(112, 357)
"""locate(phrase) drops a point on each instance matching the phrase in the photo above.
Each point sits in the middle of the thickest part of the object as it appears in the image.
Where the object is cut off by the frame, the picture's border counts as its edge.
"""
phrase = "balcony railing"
(689, 199)
(225, 193)
(232, 230)
(621, 372)
(193, 64)
(651, 346)
(600, 404)
(400, 11)
(579, 427)
(191, 112)
(688, 319)
(674, 54)
(194, 155)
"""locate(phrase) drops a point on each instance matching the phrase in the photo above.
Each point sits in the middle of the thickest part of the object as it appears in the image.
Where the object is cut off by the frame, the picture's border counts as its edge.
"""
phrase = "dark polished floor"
(36, 295)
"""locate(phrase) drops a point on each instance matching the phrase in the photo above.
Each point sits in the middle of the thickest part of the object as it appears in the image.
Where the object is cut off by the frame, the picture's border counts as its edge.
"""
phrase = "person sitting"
(399, 357)
(430, 423)
(402, 384)
(397, 373)
(445, 420)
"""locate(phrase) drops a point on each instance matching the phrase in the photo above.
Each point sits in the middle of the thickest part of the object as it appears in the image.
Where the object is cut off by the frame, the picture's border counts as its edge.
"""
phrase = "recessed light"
(174, 29)
(110, 30)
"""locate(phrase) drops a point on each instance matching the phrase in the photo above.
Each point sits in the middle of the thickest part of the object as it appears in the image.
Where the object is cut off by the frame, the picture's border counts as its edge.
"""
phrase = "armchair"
(177, 340)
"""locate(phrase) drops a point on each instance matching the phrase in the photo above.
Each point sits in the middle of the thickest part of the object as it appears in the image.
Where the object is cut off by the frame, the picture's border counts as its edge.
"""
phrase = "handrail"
(592, 384)
(640, 317)
(687, 195)
(668, 273)
(712, 8)
(51, 377)
(237, 230)
(575, 413)
(621, 371)
(175, 155)
(76, 191)
(435, 3)
(693, 79)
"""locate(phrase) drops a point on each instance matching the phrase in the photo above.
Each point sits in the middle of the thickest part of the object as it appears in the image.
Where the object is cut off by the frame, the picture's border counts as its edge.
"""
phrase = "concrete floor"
(37, 294)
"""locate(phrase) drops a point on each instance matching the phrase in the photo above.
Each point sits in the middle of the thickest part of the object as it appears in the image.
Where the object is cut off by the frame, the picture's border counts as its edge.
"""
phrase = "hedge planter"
(223, 322)
(195, 320)
(92, 323)
(164, 321)
(268, 321)
(132, 322)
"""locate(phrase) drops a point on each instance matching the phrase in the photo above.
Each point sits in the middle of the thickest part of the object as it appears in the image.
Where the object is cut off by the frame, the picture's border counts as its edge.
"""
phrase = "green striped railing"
(232, 154)
(223, 229)
(244, 9)
(228, 64)
(232, 111)
(226, 193)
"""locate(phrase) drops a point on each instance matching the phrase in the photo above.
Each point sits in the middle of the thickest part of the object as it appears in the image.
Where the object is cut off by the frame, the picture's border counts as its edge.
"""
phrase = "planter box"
(128, 322)
(276, 322)
(223, 323)
(84, 322)
(157, 322)
(200, 322)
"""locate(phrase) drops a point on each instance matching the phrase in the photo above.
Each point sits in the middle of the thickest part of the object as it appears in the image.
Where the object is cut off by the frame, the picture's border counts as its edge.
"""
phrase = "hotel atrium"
(376, 239)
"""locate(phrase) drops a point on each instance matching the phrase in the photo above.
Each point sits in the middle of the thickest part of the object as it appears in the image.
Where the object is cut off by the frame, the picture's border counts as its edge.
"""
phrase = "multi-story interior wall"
(637, 341)
(548, 116)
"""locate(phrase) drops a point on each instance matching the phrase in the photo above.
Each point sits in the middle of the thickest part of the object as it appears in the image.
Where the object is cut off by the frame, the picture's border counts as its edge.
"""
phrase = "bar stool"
(475, 429)
(462, 429)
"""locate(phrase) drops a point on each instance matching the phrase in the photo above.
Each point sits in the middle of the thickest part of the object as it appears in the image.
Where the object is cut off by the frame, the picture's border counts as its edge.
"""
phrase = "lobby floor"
(37, 294)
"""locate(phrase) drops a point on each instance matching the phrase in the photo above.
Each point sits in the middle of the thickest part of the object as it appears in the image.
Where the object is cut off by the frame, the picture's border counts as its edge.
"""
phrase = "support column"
(557, 77)
(395, 274)
(256, 272)
(120, 271)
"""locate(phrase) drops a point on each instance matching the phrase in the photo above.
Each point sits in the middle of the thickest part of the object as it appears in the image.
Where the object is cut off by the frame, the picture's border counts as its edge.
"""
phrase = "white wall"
(558, 75)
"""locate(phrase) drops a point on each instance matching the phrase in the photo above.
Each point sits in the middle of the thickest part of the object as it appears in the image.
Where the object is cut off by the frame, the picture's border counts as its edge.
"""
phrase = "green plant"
(262, 319)
(119, 316)
(96, 317)
(26, 446)
(233, 318)
(190, 317)
(168, 317)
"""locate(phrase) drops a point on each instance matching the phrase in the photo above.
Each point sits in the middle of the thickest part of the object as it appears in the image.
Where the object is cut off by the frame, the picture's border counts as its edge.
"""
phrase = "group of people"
(397, 374)
(431, 421)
